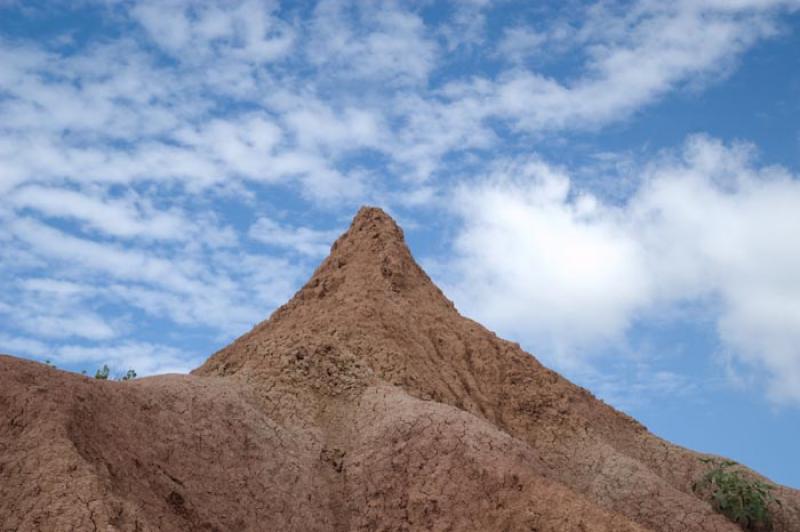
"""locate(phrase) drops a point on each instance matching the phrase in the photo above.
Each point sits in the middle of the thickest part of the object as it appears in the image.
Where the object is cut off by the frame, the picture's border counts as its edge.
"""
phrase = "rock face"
(365, 403)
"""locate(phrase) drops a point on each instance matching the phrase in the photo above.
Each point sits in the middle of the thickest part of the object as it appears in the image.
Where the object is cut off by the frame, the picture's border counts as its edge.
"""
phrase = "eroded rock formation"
(365, 403)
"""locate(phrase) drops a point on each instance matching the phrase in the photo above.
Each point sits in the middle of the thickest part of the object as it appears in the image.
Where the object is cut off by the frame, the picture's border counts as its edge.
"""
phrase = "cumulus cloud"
(567, 260)
(545, 261)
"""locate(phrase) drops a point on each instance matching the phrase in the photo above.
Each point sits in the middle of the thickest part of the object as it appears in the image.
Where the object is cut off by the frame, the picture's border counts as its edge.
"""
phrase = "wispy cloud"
(304, 240)
(128, 217)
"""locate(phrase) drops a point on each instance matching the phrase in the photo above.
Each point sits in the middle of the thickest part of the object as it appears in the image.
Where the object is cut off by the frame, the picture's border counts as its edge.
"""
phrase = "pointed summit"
(374, 222)
(369, 288)
(371, 255)
(372, 233)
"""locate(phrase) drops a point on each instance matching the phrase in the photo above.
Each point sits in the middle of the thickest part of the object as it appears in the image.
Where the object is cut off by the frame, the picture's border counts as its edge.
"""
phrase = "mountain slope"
(365, 403)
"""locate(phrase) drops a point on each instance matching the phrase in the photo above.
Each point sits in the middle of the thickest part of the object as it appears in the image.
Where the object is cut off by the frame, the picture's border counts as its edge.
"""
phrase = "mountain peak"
(372, 234)
(369, 288)
(377, 223)
(371, 255)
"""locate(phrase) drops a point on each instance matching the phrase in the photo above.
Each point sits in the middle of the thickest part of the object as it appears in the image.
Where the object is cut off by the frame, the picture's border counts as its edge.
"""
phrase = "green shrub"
(102, 373)
(743, 500)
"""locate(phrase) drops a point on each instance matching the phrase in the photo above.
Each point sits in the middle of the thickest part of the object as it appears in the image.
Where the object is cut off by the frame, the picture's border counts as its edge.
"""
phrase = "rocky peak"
(370, 256)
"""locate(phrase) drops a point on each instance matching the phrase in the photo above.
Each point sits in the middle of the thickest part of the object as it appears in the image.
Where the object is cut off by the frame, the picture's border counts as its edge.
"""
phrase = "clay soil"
(367, 402)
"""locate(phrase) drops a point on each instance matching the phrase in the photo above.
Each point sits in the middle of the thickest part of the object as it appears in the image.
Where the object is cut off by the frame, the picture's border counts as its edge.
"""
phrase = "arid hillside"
(367, 402)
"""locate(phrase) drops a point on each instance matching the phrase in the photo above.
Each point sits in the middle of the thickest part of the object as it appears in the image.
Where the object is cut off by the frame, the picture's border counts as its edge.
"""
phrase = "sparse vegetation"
(102, 373)
(741, 499)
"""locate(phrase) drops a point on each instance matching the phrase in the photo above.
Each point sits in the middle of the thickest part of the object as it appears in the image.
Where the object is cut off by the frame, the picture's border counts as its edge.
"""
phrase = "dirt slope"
(365, 403)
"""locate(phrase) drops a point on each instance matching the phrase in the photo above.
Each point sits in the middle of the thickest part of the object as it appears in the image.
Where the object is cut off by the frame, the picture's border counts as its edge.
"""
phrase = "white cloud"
(518, 43)
(304, 240)
(118, 217)
(146, 358)
(542, 263)
(467, 24)
(393, 49)
(117, 112)
(113, 260)
(54, 317)
(85, 325)
(25, 346)
(55, 287)
(46, 308)
(317, 125)
(565, 270)
(235, 147)
(634, 55)
(229, 30)
(224, 290)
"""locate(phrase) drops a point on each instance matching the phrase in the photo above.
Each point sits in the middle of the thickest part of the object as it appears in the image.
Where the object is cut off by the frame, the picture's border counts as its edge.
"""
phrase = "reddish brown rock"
(365, 403)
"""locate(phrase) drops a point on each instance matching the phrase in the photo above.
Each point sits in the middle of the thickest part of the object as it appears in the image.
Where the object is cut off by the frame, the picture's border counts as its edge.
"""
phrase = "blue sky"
(615, 185)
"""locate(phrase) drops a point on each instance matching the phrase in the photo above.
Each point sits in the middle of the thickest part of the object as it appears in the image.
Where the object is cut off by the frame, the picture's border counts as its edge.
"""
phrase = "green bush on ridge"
(743, 500)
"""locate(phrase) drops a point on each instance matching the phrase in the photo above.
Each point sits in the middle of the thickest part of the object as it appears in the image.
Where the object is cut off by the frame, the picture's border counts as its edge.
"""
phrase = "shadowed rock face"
(365, 403)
